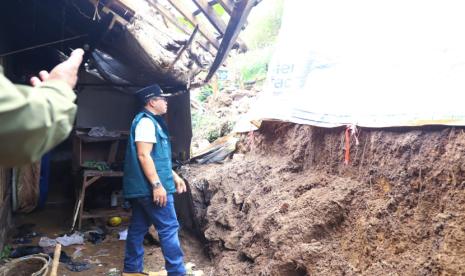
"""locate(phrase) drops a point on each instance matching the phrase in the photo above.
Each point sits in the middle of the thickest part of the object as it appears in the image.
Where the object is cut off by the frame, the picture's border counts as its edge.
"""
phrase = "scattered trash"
(217, 151)
(114, 221)
(47, 242)
(123, 235)
(190, 270)
(70, 264)
(78, 252)
(36, 265)
(23, 229)
(95, 237)
(26, 250)
(25, 232)
(102, 253)
(64, 258)
(114, 272)
(78, 266)
(75, 238)
(102, 132)
(116, 198)
(94, 261)
(48, 250)
(22, 241)
(126, 205)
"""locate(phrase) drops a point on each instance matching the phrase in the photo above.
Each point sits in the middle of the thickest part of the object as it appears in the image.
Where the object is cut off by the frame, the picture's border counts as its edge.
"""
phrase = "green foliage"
(205, 92)
(260, 35)
(5, 252)
(264, 24)
(209, 126)
(254, 64)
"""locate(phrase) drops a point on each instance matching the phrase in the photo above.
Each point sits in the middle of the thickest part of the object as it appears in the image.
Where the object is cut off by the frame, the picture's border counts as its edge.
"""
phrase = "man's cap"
(146, 93)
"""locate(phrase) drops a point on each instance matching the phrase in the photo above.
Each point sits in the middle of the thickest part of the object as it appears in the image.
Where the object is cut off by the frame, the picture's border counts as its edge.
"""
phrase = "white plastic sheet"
(367, 62)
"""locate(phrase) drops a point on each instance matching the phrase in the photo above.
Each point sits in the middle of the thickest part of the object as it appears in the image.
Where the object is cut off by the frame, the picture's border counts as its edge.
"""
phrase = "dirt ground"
(287, 205)
(110, 253)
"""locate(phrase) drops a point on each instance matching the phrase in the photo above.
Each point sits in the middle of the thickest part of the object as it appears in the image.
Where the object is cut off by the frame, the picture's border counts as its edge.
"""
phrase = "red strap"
(347, 154)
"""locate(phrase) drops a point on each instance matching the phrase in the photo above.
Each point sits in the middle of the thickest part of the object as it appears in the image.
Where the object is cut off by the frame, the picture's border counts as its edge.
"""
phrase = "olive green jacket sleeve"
(33, 119)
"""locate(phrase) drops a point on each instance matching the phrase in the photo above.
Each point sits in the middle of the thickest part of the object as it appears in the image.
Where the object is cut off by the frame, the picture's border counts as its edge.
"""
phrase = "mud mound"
(289, 206)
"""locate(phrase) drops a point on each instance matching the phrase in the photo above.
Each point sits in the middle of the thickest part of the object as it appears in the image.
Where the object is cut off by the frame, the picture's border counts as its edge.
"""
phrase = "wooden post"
(56, 260)
(215, 86)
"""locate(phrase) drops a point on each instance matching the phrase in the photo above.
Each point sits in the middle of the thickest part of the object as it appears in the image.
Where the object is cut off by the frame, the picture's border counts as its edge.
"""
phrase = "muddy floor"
(109, 254)
(286, 204)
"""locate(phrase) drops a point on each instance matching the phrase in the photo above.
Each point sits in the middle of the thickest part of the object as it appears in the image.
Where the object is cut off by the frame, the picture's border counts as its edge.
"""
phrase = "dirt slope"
(289, 206)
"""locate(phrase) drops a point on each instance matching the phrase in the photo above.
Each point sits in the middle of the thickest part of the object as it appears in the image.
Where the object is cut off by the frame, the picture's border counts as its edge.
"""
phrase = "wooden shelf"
(89, 139)
(100, 149)
(110, 212)
(88, 173)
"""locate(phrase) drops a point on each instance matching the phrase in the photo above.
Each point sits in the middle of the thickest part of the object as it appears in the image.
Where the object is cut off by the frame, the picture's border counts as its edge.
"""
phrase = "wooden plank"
(99, 213)
(191, 19)
(168, 15)
(113, 151)
(77, 153)
(185, 47)
(3, 184)
(5, 219)
(89, 173)
(211, 15)
(215, 20)
(5, 205)
(106, 9)
(238, 18)
(228, 5)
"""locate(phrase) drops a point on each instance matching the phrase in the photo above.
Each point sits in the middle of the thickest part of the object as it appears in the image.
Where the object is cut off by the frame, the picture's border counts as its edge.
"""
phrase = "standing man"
(149, 184)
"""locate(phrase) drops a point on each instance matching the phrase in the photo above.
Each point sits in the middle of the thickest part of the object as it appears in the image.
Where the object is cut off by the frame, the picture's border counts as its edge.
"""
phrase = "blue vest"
(135, 184)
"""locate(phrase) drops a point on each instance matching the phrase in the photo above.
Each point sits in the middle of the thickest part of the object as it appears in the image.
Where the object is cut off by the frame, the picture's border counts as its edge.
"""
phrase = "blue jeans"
(144, 214)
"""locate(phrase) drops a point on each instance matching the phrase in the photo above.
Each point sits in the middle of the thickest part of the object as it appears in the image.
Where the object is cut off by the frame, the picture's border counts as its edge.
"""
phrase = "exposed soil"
(287, 204)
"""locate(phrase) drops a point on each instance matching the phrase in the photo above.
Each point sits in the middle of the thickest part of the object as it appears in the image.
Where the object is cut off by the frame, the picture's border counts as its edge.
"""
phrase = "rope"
(9, 266)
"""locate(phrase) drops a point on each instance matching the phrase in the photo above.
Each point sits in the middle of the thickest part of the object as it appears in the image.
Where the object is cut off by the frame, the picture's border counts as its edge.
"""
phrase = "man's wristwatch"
(156, 184)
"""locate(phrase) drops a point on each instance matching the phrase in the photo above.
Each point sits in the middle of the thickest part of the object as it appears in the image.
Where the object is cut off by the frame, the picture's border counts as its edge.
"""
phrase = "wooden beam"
(211, 15)
(238, 18)
(228, 5)
(191, 18)
(214, 19)
(185, 47)
(172, 18)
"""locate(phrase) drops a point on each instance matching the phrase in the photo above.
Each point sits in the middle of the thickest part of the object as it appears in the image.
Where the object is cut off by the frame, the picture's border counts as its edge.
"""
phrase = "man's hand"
(159, 196)
(66, 71)
(180, 184)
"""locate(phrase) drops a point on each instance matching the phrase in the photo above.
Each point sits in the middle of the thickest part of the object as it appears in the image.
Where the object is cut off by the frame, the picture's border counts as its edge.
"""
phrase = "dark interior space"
(31, 27)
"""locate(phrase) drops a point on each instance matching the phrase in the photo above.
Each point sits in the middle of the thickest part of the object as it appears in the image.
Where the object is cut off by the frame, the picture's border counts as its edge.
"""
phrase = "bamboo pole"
(56, 260)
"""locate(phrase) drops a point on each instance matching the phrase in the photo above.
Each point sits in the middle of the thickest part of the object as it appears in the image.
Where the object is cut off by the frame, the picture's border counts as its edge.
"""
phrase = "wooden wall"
(5, 204)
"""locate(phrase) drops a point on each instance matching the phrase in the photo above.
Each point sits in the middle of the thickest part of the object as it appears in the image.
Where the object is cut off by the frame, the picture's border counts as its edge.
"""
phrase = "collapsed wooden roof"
(131, 43)
(178, 42)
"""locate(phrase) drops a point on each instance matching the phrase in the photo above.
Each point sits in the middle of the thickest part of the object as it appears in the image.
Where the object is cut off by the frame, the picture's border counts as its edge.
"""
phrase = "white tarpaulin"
(367, 62)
